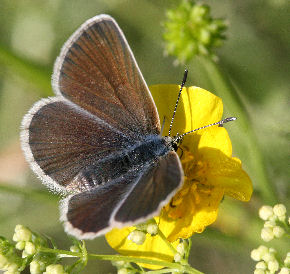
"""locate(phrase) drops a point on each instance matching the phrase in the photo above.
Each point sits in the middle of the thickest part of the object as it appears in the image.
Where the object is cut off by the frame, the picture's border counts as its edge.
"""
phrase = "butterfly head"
(173, 142)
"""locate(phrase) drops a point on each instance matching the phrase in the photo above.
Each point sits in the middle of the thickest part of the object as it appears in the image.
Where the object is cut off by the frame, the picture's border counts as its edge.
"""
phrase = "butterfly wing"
(128, 200)
(97, 71)
(153, 191)
(60, 140)
(97, 79)
(103, 106)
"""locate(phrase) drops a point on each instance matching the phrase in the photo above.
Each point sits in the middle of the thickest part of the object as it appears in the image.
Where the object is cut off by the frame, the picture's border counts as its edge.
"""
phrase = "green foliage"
(40, 255)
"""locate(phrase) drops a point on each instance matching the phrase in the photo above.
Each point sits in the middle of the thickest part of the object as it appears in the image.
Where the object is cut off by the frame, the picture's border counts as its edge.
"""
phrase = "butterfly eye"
(175, 146)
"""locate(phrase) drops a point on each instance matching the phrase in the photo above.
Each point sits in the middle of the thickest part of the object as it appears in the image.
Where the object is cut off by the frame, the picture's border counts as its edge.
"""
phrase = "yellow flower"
(210, 172)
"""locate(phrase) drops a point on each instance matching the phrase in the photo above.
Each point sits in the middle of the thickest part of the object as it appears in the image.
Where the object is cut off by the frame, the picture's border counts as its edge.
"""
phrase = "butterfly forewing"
(62, 140)
(97, 70)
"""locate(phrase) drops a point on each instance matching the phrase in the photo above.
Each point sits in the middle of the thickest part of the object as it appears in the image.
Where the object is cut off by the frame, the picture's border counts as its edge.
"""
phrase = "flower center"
(195, 186)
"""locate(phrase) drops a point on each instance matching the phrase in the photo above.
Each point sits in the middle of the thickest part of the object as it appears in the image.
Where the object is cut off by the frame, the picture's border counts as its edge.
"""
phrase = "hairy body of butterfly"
(98, 142)
(133, 158)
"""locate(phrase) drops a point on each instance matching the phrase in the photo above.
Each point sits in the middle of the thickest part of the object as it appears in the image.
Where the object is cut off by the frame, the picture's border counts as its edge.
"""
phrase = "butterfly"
(98, 141)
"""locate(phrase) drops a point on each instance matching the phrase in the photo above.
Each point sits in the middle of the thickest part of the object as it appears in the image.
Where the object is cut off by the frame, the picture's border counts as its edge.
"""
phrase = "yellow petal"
(197, 107)
(204, 214)
(227, 173)
(165, 97)
(202, 108)
(153, 247)
(222, 170)
(216, 138)
(214, 148)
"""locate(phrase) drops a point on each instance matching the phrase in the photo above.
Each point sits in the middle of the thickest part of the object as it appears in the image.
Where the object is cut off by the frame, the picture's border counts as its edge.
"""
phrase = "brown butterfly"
(98, 141)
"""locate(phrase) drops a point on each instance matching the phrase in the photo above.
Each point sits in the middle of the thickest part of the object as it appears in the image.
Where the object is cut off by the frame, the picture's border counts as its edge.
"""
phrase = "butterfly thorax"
(130, 159)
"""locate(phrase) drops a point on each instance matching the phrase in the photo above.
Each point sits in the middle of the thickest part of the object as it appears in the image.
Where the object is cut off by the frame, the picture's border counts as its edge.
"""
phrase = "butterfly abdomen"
(117, 165)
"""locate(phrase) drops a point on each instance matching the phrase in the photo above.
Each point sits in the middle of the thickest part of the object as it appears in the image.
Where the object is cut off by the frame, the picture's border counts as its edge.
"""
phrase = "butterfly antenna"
(181, 87)
(226, 120)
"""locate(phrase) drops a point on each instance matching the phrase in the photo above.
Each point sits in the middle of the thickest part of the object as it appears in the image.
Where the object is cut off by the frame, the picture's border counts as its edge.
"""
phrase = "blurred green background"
(254, 60)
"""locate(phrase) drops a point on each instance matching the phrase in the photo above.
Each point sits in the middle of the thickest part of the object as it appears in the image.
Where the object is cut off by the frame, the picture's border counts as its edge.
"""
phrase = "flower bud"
(137, 237)
(24, 254)
(205, 37)
(55, 269)
(123, 271)
(278, 231)
(199, 12)
(9, 260)
(258, 253)
(74, 248)
(269, 224)
(30, 248)
(12, 268)
(279, 210)
(22, 234)
(273, 266)
(267, 234)
(36, 267)
(261, 265)
(267, 257)
(287, 260)
(20, 245)
(265, 212)
(3, 262)
(181, 248)
(152, 229)
(41, 261)
(178, 257)
(255, 255)
(284, 270)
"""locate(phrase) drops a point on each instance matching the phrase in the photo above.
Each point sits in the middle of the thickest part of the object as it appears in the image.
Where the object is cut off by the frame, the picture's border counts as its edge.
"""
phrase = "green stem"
(85, 253)
(28, 193)
(175, 266)
(224, 88)
(162, 236)
(188, 249)
(285, 225)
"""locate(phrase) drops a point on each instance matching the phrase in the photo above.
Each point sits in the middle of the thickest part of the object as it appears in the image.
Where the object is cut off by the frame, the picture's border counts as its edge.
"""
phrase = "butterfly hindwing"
(130, 199)
(87, 214)
(155, 188)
